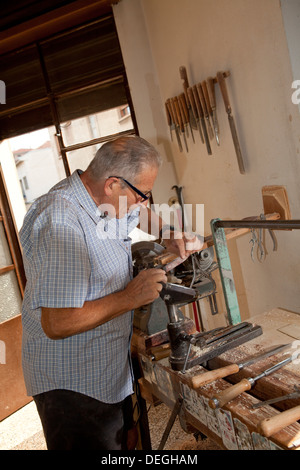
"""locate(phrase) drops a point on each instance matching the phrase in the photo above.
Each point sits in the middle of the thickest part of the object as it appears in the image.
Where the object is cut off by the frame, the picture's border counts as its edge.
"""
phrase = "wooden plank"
(275, 199)
(12, 392)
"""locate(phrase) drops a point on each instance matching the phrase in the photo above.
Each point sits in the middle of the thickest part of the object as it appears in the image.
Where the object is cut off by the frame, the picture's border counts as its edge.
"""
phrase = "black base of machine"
(190, 350)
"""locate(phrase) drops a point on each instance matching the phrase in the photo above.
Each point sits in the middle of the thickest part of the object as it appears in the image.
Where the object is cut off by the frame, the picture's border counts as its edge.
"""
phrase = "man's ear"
(109, 186)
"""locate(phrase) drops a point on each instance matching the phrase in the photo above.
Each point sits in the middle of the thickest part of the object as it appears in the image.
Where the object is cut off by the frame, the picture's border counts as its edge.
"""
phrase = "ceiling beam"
(78, 12)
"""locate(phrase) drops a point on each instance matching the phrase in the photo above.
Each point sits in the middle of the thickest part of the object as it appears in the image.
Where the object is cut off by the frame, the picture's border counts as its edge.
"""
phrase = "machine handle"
(212, 375)
(270, 426)
(222, 398)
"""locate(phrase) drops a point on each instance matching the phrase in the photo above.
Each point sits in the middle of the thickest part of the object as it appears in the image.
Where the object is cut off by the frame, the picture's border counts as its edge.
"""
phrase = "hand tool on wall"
(182, 100)
(224, 397)
(212, 375)
(259, 243)
(212, 101)
(208, 106)
(193, 104)
(223, 88)
(269, 426)
(184, 121)
(201, 117)
(169, 120)
(288, 396)
(205, 109)
(192, 116)
(179, 120)
(174, 119)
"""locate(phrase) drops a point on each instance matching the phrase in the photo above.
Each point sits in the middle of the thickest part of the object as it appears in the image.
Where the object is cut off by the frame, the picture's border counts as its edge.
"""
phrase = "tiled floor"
(23, 431)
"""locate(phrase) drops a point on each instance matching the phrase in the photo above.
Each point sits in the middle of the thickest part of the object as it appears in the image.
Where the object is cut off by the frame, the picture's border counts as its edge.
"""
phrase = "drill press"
(189, 282)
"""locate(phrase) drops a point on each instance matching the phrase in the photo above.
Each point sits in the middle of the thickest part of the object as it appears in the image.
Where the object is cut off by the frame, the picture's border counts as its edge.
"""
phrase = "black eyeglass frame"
(136, 190)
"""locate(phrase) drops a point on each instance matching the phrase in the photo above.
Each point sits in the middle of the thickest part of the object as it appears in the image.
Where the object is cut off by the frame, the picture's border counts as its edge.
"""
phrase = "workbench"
(235, 425)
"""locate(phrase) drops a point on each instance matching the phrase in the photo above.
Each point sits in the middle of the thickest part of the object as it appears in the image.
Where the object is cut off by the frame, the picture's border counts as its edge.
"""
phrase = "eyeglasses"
(144, 196)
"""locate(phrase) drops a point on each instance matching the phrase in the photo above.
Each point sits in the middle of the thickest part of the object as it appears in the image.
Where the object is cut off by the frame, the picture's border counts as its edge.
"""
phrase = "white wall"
(248, 38)
(39, 167)
(291, 19)
(145, 90)
(12, 182)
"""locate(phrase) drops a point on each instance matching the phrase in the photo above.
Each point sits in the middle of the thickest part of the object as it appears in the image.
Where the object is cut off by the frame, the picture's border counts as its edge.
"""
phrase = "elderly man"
(80, 296)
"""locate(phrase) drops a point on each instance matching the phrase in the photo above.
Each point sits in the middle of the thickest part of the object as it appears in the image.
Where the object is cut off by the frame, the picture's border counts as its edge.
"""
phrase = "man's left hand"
(181, 243)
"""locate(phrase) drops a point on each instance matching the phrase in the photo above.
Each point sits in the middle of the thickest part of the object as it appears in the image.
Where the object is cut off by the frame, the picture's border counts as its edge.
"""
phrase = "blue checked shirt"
(69, 258)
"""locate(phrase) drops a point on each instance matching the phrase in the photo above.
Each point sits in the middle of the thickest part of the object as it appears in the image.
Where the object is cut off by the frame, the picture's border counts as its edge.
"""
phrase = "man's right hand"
(145, 287)
(59, 323)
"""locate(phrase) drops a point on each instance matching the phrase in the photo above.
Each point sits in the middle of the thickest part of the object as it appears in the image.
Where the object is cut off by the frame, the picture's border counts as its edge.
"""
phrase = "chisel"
(212, 100)
(205, 109)
(179, 120)
(184, 121)
(223, 88)
(201, 118)
(174, 119)
(193, 104)
(185, 82)
(183, 102)
(289, 396)
(169, 120)
(224, 397)
(212, 375)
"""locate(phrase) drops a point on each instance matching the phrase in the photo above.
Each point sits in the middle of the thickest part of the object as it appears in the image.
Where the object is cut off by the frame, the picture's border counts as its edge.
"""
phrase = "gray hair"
(125, 156)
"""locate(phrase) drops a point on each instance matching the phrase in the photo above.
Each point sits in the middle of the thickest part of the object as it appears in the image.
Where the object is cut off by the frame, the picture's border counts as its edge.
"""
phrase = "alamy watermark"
(296, 94)
(112, 227)
(2, 92)
(2, 352)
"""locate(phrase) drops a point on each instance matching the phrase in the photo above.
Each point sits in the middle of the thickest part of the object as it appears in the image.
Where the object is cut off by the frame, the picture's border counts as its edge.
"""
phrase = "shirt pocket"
(110, 267)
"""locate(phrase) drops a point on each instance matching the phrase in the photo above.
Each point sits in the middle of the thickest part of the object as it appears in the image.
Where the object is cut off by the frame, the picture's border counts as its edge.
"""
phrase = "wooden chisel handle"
(270, 426)
(211, 92)
(169, 108)
(206, 96)
(223, 88)
(173, 110)
(182, 101)
(212, 375)
(224, 397)
(202, 99)
(184, 118)
(183, 76)
(192, 101)
(169, 119)
(178, 114)
(197, 101)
